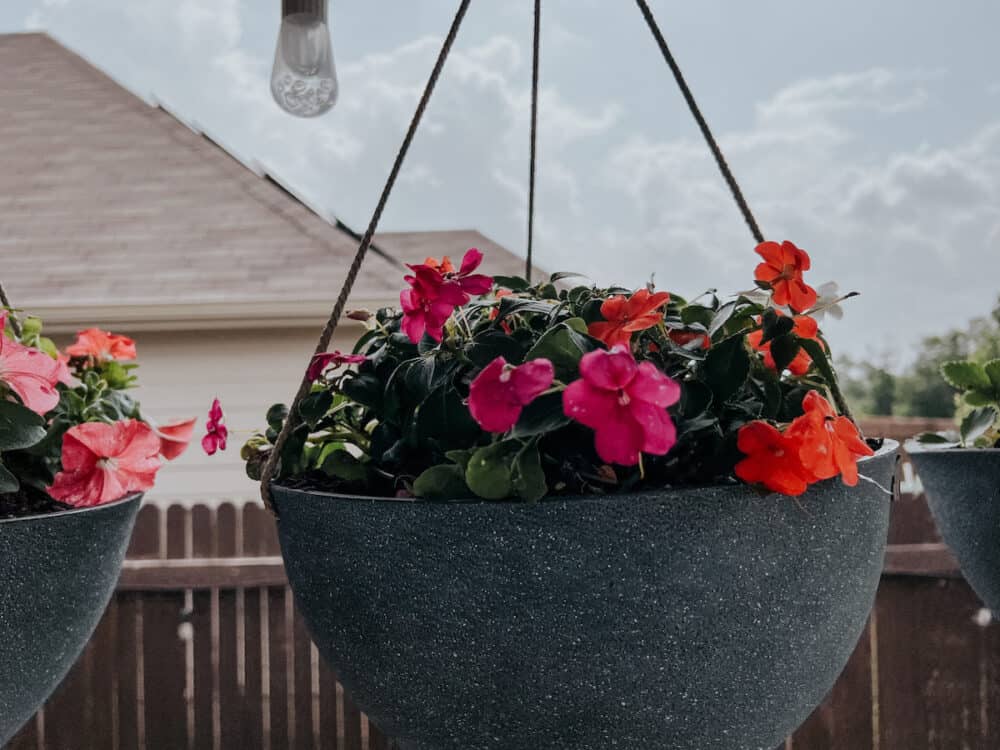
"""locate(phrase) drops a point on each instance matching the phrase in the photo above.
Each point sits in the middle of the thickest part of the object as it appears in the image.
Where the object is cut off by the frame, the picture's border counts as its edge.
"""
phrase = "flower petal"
(619, 440)
(653, 386)
(610, 370)
(588, 405)
(530, 380)
(471, 261)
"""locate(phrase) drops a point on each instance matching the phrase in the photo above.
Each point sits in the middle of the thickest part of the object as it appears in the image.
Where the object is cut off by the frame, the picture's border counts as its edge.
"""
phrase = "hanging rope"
(536, 49)
(734, 187)
(292, 420)
(5, 301)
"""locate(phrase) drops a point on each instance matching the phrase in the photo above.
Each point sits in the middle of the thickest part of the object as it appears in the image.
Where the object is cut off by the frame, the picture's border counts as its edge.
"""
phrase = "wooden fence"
(202, 649)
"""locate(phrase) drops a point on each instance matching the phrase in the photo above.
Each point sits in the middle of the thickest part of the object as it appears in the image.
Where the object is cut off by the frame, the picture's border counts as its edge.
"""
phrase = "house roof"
(119, 213)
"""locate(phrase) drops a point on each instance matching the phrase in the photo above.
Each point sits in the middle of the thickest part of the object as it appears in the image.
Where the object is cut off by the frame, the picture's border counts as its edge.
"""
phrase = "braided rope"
(293, 420)
(15, 326)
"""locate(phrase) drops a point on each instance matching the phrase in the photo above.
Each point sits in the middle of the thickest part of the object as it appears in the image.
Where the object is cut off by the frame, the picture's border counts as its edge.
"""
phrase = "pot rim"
(888, 448)
(912, 446)
(73, 511)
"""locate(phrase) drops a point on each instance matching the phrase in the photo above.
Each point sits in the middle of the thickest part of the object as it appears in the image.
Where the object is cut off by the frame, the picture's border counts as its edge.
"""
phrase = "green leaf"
(966, 375)
(315, 406)
(276, 416)
(8, 482)
(528, 475)
(726, 367)
(442, 482)
(559, 276)
(364, 389)
(19, 427)
(460, 457)
(488, 346)
(564, 348)
(992, 369)
(977, 423)
(490, 468)
(979, 398)
(696, 397)
(514, 283)
(541, 416)
(819, 357)
(343, 465)
(784, 349)
(444, 418)
(935, 438)
(774, 326)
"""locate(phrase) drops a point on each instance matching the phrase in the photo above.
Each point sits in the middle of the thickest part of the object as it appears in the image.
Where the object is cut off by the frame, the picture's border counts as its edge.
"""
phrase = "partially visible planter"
(700, 619)
(963, 491)
(59, 572)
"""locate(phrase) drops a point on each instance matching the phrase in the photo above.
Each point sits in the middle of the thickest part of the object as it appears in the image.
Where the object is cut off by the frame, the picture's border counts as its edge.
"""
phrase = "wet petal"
(611, 370)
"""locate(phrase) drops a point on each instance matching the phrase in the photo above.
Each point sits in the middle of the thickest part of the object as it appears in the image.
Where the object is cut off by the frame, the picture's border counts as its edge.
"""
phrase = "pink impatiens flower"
(32, 375)
(625, 404)
(175, 437)
(323, 362)
(104, 462)
(500, 392)
(436, 290)
(217, 433)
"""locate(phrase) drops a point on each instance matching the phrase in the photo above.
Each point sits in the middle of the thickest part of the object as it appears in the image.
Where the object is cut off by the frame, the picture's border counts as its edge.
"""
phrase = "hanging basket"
(963, 490)
(60, 571)
(700, 619)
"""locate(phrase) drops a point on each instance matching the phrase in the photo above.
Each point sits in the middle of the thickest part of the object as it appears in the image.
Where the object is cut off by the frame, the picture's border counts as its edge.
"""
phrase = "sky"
(867, 133)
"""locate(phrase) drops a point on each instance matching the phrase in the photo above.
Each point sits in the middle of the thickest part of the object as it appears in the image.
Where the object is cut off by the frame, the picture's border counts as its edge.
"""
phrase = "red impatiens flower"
(323, 362)
(772, 459)
(104, 462)
(500, 392)
(102, 346)
(175, 437)
(32, 375)
(782, 270)
(805, 328)
(683, 338)
(217, 433)
(623, 317)
(828, 444)
(495, 312)
(625, 404)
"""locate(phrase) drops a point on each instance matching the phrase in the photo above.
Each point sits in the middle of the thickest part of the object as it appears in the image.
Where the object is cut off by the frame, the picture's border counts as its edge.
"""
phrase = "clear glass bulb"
(304, 79)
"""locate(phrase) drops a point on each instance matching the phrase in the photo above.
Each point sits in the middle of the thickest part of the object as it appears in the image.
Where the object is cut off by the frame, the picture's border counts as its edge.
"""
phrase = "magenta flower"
(474, 284)
(500, 392)
(323, 362)
(217, 433)
(429, 303)
(625, 404)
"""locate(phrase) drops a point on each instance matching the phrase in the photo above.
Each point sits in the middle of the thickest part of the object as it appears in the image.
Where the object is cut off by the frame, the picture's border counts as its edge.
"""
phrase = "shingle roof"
(116, 210)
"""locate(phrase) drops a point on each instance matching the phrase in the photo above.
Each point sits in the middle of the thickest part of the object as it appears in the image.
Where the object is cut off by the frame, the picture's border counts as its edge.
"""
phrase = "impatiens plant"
(71, 435)
(499, 388)
(979, 389)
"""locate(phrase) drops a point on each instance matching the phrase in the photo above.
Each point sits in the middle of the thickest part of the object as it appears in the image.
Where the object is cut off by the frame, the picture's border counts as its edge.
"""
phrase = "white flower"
(829, 302)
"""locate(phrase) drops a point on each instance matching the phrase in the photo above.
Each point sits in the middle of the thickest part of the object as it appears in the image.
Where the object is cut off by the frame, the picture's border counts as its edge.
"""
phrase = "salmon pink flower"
(772, 459)
(625, 403)
(782, 271)
(217, 433)
(323, 362)
(104, 462)
(500, 392)
(623, 317)
(805, 328)
(828, 444)
(102, 346)
(443, 266)
(175, 437)
(32, 375)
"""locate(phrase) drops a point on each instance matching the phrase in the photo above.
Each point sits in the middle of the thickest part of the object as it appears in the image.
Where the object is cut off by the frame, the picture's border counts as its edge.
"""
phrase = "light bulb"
(304, 80)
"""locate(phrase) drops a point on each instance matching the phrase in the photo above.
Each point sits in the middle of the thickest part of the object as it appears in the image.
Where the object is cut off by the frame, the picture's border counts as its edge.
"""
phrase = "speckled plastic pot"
(963, 491)
(703, 619)
(59, 572)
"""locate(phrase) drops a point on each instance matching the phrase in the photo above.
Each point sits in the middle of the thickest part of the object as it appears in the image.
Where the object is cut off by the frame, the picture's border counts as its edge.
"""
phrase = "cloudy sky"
(867, 133)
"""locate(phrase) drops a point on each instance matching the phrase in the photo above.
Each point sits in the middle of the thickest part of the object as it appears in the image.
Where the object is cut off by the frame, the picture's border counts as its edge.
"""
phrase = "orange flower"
(772, 459)
(782, 271)
(681, 338)
(101, 346)
(623, 317)
(828, 444)
(805, 328)
(445, 266)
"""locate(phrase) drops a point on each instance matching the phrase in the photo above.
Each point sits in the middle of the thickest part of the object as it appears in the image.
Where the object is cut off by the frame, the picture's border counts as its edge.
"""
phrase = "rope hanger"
(292, 421)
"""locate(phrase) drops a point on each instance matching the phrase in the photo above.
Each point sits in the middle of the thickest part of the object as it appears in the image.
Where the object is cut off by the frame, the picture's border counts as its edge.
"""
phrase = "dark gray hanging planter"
(59, 572)
(699, 619)
(963, 491)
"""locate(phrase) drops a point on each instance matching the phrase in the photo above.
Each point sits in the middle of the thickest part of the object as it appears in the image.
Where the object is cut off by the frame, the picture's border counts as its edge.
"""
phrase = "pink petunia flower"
(104, 462)
(175, 437)
(323, 362)
(625, 404)
(217, 433)
(500, 392)
(32, 375)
